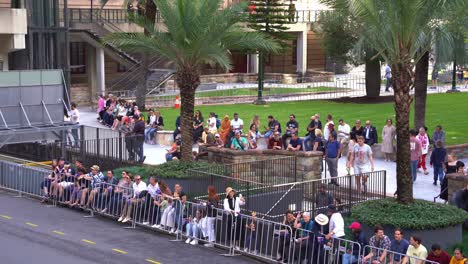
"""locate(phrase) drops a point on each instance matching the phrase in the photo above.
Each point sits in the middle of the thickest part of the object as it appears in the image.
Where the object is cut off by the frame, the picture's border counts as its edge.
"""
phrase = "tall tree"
(270, 17)
(399, 31)
(193, 34)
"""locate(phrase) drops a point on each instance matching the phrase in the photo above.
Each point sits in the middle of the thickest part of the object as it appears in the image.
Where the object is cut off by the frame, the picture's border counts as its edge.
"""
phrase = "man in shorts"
(362, 162)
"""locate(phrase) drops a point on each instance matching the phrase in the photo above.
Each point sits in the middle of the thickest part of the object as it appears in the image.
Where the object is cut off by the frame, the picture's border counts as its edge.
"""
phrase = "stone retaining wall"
(459, 151)
(456, 182)
(308, 165)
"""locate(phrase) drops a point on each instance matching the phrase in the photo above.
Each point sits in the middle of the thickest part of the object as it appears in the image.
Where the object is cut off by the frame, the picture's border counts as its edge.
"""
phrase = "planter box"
(445, 237)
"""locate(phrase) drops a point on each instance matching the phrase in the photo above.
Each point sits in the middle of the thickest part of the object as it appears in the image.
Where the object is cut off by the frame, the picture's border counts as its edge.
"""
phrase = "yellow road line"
(58, 232)
(31, 224)
(6, 217)
(152, 261)
(88, 241)
(119, 251)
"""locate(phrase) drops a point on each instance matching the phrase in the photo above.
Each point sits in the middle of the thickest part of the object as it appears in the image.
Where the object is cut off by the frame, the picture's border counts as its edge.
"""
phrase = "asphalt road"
(31, 232)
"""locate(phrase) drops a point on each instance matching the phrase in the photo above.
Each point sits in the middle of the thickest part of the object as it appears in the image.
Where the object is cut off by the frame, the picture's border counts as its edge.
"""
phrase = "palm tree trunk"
(188, 80)
(402, 83)
(420, 91)
(372, 76)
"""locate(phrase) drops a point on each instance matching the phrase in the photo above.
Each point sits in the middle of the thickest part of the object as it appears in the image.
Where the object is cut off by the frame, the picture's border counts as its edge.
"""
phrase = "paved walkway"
(422, 188)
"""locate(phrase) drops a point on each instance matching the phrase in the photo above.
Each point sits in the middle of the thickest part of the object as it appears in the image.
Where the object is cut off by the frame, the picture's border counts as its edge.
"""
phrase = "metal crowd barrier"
(194, 222)
(377, 254)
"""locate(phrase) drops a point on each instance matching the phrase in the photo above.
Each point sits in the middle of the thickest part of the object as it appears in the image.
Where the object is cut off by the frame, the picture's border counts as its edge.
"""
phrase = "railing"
(196, 222)
(105, 147)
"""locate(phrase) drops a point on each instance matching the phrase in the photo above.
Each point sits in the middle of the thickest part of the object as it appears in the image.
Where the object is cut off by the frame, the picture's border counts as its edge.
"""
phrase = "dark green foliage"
(419, 215)
(171, 169)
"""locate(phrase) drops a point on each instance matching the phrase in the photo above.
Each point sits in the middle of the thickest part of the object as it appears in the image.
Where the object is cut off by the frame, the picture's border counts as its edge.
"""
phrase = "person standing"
(438, 135)
(437, 161)
(416, 153)
(332, 154)
(424, 140)
(139, 138)
(388, 78)
(343, 132)
(197, 126)
(75, 120)
(101, 107)
(211, 213)
(388, 135)
(326, 129)
(361, 159)
(370, 134)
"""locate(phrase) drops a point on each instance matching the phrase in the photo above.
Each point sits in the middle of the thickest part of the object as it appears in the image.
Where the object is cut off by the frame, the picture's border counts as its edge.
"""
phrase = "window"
(78, 57)
(294, 52)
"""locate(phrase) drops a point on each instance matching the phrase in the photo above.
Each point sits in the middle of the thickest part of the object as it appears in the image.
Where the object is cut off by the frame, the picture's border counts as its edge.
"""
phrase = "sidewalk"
(422, 188)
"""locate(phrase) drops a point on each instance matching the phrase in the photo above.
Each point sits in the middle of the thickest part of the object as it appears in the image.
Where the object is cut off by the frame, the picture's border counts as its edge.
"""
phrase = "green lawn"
(447, 110)
(267, 91)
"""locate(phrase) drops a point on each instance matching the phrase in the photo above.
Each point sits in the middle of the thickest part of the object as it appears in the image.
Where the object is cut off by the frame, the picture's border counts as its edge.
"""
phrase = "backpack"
(218, 123)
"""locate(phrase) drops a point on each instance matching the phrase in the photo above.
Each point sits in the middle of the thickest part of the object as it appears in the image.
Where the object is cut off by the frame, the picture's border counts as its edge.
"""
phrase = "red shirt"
(443, 258)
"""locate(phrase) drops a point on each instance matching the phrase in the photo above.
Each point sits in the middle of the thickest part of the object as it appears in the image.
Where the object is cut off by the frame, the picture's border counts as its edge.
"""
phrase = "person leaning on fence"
(399, 245)
(336, 223)
(359, 238)
(179, 205)
(438, 255)
(380, 244)
(120, 195)
(284, 235)
(211, 213)
(307, 230)
(458, 257)
(78, 185)
(232, 203)
(151, 208)
(193, 228)
(317, 241)
(162, 204)
(251, 242)
(416, 253)
(139, 190)
(108, 188)
(95, 178)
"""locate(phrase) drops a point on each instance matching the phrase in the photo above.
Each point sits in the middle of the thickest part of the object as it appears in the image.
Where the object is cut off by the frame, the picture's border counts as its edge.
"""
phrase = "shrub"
(171, 169)
(419, 215)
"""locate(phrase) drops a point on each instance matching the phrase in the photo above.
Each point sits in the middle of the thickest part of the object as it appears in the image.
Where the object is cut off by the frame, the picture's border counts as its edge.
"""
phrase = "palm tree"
(194, 33)
(399, 31)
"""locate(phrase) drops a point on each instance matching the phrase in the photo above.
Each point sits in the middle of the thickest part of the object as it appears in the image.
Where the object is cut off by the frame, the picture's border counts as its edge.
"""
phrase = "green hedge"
(419, 215)
(171, 169)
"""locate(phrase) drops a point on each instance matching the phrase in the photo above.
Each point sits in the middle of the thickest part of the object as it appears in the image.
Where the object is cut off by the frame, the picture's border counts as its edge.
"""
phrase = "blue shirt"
(332, 149)
(309, 226)
(399, 247)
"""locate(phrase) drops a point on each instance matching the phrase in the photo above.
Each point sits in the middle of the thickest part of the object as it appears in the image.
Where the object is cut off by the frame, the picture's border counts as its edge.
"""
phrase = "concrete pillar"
(100, 71)
(302, 52)
(253, 63)
(91, 72)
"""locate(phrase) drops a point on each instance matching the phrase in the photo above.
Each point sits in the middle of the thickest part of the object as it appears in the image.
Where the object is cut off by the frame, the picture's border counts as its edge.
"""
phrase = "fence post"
(63, 143)
(98, 145)
(120, 147)
(350, 190)
(385, 183)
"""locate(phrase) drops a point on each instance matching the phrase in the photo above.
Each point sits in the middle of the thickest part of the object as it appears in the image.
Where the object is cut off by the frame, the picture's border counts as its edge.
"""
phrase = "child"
(251, 234)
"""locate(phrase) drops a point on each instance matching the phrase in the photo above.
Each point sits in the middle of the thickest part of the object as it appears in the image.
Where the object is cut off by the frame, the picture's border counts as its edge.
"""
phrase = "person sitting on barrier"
(438, 255)
(59, 175)
(96, 178)
(193, 228)
(416, 253)
(167, 219)
(120, 195)
(458, 257)
(138, 187)
(162, 203)
(307, 226)
(67, 182)
(275, 141)
(323, 199)
(380, 244)
(232, 204)
(359, 238)
(179, 205)
(218, 142)
(295, 143)
(80, 185)
(151, 207)
(399, 245)
(108, 188)
(211, 213)
(252, 136)
(284, 237)
(239, 142)
(251, 236)
(292, 126)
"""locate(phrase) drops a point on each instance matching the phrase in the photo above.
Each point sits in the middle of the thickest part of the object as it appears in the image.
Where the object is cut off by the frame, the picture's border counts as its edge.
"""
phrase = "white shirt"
(237, 204)
(237, 124)
(138, 188)
(153, 190)
(121, 110)
(337, 225)
(152, 119)
(326, 132)
(345, 129)
(212, 124)
(75, 116)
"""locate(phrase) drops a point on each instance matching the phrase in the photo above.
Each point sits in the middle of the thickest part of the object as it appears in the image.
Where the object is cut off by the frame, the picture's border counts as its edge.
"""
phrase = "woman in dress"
(197, 126)
(252, 136)
(388, 134)
(225, 128)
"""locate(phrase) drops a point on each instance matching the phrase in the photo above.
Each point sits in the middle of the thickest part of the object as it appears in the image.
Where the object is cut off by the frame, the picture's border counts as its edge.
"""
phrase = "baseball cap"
(355, 225)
